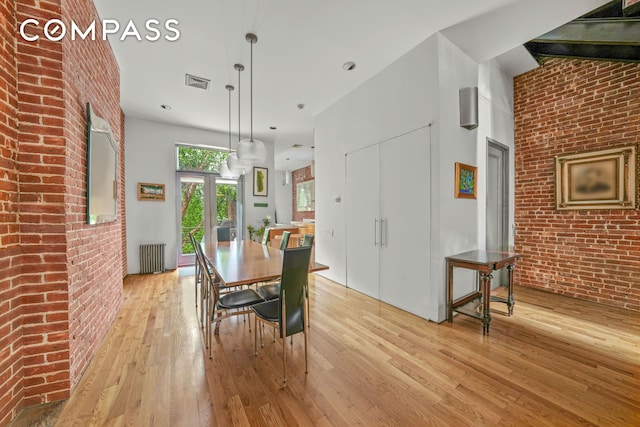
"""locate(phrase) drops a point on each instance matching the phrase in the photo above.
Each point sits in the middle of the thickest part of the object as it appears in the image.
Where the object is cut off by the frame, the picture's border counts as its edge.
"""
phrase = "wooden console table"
(484, 262)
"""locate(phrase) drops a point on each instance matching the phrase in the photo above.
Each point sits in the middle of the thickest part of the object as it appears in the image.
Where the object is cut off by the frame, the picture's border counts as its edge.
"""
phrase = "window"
(200, 159)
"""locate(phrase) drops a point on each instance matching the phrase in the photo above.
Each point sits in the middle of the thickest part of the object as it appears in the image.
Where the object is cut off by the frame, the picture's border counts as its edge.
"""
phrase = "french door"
(207, 202)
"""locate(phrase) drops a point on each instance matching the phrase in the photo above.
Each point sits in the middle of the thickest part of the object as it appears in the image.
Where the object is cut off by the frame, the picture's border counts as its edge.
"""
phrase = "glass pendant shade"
(287, 177)
(236, 166)
(252, 152)
(225, 172)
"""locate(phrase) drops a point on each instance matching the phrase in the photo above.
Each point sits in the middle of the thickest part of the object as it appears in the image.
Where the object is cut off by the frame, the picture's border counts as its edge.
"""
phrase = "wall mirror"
(102, 169)
(305, 196)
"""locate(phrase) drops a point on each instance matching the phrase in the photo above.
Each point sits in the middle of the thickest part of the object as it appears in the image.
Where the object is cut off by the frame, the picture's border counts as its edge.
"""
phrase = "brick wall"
(11, 374)
(565, 107)
(94, 252)
(300, 175)
(61, 281)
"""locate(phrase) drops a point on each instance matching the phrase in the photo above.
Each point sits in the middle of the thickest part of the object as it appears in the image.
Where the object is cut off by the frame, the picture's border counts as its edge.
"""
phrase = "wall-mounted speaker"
(469, 107)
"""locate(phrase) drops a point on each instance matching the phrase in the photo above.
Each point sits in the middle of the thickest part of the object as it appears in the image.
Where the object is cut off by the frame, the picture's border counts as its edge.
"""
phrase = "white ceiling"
(301, 47)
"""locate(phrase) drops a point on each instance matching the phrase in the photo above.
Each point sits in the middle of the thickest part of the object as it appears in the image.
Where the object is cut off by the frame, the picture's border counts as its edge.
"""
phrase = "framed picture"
(148, 191)
(260, 178)
(465, 181)
(604, 179)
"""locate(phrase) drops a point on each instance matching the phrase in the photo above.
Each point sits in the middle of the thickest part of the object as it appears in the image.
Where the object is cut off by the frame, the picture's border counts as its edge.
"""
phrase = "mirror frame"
(98, 127)
(310, 186)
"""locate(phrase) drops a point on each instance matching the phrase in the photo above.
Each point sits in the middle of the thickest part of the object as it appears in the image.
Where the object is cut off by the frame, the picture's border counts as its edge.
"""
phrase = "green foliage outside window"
(205, 160)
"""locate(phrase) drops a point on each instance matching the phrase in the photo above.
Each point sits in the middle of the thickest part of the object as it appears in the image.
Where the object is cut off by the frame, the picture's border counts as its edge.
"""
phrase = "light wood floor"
(558, 361)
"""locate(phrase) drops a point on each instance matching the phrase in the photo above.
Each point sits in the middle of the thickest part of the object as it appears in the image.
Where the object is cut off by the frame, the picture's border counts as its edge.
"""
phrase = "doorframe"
(492, 143)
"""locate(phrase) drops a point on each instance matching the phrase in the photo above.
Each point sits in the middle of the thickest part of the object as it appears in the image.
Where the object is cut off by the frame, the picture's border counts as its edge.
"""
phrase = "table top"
(246, 261)
(483, 257)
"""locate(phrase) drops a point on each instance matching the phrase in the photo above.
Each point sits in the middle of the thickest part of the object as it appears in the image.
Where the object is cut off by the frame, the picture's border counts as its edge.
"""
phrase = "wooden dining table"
(245, 262)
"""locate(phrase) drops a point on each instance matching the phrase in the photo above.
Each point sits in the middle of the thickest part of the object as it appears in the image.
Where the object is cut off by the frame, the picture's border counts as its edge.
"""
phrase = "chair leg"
(306, 338)
(284, 359)
(255, 337)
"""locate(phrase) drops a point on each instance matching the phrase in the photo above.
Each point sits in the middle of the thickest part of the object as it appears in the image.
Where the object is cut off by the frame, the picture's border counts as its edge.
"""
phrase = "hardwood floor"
(557, 361)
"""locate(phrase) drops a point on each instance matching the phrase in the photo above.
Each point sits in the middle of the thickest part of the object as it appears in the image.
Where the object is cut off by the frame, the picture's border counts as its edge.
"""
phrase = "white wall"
(150, 156)
(400, 98)
(419, 88)
(496, 121)
(284, 199)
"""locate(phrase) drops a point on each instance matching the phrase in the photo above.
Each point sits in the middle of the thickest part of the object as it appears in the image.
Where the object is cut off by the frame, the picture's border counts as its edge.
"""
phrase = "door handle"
(383, 231)
(375, 232)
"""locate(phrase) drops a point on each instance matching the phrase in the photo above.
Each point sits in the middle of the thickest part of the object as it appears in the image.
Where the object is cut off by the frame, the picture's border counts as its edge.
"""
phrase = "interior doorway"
(497, 232)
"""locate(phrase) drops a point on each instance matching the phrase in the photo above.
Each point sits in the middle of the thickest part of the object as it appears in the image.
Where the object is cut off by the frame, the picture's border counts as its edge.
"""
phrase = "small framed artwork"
(604, 179)
(260, 177)
(147, 191)
(465, 181)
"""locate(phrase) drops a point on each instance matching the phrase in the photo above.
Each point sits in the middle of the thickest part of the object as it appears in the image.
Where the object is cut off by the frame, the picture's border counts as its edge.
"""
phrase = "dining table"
(244, 262)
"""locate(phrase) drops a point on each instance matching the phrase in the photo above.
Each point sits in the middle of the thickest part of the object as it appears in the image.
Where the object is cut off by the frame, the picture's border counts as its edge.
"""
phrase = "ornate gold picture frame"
(604, 179)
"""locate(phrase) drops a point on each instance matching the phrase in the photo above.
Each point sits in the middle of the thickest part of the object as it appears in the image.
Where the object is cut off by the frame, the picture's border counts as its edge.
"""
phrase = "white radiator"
(152, 258)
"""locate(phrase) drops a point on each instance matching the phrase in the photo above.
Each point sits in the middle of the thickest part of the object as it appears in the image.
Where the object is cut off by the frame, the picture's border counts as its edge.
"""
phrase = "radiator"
(152, 258)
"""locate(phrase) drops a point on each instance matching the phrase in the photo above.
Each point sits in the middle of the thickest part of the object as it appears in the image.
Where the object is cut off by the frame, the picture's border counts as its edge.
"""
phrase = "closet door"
(405, 214)
(363, 225)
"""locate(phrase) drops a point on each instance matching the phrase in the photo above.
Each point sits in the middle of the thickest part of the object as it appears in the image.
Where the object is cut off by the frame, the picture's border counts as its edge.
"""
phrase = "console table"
(484, 262)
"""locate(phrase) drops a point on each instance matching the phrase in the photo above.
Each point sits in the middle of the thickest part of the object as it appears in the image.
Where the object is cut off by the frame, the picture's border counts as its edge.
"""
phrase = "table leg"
(486, 298)
(449, 292)
(510, 300)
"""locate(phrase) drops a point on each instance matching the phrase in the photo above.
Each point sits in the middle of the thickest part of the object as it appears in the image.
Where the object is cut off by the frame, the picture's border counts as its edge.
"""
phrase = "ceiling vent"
(297, 146)
(197, 82)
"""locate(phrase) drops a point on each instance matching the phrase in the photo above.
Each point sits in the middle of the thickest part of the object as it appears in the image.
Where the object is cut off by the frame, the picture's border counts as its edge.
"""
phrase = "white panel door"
(362, 206)
(405, 214)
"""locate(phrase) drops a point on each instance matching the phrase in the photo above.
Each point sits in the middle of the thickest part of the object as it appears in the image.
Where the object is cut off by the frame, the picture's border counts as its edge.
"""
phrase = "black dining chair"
(288, 313)
(272, 290)
(221, 306)
(224, 234)
(307, 240)
(284, 243)
(265, 236)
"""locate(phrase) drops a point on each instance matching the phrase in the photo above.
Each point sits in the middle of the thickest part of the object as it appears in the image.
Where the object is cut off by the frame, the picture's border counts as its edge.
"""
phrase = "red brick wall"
(43, 244)
(300, 175)
(11, 374)
(61, 280)
(94, 252)
(565, 107)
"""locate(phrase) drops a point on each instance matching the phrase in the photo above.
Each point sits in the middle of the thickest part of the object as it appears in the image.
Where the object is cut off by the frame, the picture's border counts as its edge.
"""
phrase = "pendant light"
(287, 174)
(313, 161)
(237, 166)
(251, 150)
(225, 172)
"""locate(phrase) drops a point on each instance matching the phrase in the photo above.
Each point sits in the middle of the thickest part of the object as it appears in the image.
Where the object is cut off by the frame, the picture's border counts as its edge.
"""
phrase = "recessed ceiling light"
(273, 127)
(165, 107)
(349, 65)
(300, 106)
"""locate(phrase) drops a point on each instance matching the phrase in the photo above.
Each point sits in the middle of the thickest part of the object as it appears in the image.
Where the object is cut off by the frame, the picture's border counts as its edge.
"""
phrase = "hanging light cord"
(229, 89)
(251, 90)
(239, 70)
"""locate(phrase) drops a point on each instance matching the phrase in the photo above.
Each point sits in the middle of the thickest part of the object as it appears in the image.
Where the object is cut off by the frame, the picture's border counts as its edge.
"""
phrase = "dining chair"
(198, 274)
(307, 240)
(265, 236)
(223, 234)
(221, 306)
(288, 313)
(285, 240)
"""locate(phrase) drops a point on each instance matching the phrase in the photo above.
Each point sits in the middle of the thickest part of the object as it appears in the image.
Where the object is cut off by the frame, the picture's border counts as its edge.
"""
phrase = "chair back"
(224, 234)
(285, 240)
(295, 273)
(195, 245)
(265, 236)
(307, 240)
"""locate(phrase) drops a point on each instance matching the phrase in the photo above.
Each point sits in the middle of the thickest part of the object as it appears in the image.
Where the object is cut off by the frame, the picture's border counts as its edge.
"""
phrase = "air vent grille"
(197, 82)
